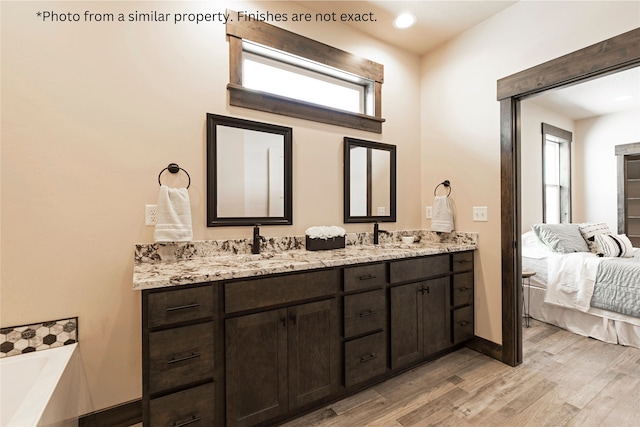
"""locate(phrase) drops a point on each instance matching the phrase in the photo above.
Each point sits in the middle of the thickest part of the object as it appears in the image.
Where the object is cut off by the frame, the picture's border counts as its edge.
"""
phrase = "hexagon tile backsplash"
(40, 336)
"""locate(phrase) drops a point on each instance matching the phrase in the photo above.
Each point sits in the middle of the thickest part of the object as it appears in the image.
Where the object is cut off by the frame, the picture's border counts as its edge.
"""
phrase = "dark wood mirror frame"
(213, 220)
(348, 144)
(615, 54)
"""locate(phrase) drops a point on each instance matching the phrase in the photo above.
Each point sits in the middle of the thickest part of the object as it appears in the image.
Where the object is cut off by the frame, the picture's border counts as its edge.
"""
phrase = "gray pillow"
(564, 238)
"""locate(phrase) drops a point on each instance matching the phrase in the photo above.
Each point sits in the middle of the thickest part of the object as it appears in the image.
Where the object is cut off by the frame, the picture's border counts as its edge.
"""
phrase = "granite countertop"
(151, 275)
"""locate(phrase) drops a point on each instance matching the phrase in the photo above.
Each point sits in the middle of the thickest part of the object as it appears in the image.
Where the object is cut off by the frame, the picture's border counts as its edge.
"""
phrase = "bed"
(588, 289)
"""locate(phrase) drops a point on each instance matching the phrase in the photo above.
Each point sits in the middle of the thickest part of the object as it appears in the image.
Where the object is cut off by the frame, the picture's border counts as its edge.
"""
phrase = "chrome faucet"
(376, 232)
(257, 238)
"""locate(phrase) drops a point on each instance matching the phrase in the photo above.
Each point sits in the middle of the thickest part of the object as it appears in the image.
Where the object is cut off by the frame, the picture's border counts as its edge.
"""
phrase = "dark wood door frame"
(615, 54)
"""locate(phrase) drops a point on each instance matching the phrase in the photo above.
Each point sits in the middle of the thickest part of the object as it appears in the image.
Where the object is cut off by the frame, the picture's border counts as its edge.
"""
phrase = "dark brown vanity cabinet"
(178, 356)
(365, 322)
(258, 351)
(279, 360)
(431, 307)
(420, 322)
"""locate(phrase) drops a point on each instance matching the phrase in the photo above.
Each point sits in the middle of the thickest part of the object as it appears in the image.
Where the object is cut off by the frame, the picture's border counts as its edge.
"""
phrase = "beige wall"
(597, 189)
(90, 115)
(460, 117)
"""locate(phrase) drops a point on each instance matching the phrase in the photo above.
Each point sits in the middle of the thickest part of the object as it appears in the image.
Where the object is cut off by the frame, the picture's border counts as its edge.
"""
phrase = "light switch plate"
(381, 211)
(480, 213)
(429, 211)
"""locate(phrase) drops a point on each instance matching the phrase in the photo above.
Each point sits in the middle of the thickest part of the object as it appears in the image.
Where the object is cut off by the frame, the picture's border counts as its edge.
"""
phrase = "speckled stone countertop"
(161, 265)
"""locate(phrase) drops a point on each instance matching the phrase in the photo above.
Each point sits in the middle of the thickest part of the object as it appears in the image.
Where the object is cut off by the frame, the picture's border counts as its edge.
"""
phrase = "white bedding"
(571, 279)
(561, 294)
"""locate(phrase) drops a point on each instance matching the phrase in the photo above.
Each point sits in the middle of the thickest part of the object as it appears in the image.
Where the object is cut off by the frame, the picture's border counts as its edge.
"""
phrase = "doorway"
(615, 54)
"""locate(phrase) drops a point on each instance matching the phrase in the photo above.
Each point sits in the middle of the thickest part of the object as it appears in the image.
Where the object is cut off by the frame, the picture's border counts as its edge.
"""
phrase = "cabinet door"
(437, 323)
(407, 343)
(314, 355)
(256, 367)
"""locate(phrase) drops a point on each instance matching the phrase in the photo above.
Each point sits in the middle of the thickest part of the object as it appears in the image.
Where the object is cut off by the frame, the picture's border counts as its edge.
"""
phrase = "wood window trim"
(566, 207)
(615, 54)
(286, 41)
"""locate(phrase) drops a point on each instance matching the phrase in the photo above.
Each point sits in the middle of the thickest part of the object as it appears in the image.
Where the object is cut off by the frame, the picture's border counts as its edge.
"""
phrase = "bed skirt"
(617, 330)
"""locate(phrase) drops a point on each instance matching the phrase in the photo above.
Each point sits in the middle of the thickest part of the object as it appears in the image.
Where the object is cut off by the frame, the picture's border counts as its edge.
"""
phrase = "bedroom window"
(277, 71)
(556, 174)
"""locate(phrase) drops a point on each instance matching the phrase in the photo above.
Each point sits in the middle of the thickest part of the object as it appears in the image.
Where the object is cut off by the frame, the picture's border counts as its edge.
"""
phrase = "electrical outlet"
(150, 214)
(381, 211)
(480, 213)
(429, 211)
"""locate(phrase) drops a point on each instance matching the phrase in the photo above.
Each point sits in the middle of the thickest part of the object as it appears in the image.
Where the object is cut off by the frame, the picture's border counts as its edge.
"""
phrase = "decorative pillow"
(564, 238)
(614, 246)
(532, 247)
(588, 232)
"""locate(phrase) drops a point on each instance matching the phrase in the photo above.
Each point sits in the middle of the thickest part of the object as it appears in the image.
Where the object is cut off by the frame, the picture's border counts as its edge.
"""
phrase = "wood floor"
(565, 380)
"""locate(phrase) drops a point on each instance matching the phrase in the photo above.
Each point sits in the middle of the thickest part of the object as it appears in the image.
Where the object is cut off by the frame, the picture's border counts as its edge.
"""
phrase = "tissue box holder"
(324, 244)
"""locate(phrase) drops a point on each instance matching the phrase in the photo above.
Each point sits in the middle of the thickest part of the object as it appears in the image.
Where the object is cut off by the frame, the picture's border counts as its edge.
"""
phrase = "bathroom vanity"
(243, 340)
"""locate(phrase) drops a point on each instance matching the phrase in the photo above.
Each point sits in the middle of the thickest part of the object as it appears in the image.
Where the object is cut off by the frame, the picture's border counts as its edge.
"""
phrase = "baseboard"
(486, 347)
(122, 415)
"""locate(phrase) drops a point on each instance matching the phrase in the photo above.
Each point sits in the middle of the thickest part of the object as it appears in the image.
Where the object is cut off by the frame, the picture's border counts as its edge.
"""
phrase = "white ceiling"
(440, 21)
(437, 21)
(606, 95)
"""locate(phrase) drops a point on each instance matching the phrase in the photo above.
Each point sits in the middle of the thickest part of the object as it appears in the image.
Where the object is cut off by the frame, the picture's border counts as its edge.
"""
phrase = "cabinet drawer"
(180, 305)
(268, 291)
(365, 358)
(193, 407)
(365, 277)
(418, 268)
(462, 324)
(180, 356)
(462, 261)
(364, 312)
(463, 289)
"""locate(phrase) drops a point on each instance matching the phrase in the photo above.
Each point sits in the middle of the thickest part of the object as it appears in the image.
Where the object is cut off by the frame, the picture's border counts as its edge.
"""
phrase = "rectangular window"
(281, 72)
(556, 174)
(276, 72)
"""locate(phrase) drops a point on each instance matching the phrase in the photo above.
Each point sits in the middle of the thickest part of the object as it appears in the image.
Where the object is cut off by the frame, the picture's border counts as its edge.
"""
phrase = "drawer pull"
(194, 419)
(463, 323)
(367, 313)
(183, 307)
(182, 359)
(463, 289)
(367, 277)
(367, 358)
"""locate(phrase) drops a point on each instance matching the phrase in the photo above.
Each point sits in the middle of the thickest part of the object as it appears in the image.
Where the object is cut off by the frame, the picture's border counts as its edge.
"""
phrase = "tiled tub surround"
(169, 264)
(40, 336)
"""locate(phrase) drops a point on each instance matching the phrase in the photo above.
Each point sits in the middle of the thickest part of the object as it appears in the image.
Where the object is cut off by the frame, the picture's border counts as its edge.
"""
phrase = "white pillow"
(614, 246)
(589, 231)
(532, 247)
(563, 238)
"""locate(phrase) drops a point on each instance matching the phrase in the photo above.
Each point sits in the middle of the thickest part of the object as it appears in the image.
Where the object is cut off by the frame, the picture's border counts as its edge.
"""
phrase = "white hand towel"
(173, 220)
(442, 216)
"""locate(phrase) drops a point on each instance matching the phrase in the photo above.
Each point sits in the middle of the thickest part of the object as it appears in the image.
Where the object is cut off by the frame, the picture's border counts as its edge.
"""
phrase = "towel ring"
(174, 168)
(445, 184)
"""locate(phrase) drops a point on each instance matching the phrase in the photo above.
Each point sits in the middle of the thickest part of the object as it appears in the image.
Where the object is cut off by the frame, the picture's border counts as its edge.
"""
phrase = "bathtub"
(43, 388)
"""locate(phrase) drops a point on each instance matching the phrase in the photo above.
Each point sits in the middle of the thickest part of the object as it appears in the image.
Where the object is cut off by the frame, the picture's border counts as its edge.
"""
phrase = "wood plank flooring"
(565, 380)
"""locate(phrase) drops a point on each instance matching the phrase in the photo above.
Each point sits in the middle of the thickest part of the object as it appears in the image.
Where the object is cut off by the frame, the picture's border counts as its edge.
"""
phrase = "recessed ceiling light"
(404, 20)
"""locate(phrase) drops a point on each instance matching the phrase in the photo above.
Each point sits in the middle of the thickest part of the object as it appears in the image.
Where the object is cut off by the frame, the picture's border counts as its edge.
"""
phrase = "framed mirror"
(369, 181)
(249, 172)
